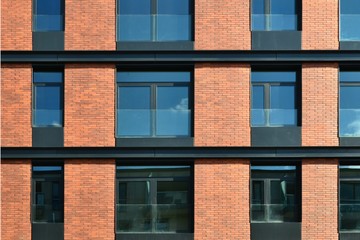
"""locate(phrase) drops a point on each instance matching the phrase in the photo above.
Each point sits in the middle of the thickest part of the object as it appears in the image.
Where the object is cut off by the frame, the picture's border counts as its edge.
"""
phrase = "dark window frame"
(34, 13)
(267, 98)
(57, 69)
(153, 86)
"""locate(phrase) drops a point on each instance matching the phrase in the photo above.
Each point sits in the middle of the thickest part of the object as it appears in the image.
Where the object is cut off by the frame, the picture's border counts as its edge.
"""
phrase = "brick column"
(320, 104)
(89, 105)
(320, 199)
(222, 25)
(16, 29)
(16, 105)
(89, 199)
(90, 25)
(320, 24)
(222, 105)
(15, 199)
(222, 199)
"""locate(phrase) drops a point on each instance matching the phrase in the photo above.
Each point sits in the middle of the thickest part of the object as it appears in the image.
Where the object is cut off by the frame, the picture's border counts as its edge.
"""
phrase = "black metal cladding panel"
(48, 41)
(46, 231)
(154, 236)
(350, 141)
(351, 45)
(140, 46)
(276, 40)
(275, 231)
(349, 236)
(47, 136)
(275, 136)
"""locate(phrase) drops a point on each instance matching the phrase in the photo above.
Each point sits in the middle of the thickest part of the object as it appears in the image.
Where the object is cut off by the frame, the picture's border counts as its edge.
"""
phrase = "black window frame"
(153, 195)
(267, 189)
(153, 86)
(34, 13)
(57, 69)
(267, 97)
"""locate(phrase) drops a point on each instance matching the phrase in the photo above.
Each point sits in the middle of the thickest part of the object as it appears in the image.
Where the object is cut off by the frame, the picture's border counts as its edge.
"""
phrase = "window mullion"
(267, 103)
(153, 109)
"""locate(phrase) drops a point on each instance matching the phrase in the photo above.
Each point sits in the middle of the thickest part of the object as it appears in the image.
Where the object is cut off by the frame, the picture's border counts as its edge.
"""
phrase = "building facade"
(180, 119)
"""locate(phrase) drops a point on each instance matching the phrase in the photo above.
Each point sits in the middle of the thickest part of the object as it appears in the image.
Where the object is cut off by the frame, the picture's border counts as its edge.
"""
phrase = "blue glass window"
(154, 20)
(48, 15)
(274, 15)
(153, 104)
(273, 100)
(48, 99)
(349, 125)
(349, 20)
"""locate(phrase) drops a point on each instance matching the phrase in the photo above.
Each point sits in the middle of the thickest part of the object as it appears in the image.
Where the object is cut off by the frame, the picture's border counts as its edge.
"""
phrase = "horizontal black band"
(191, 56)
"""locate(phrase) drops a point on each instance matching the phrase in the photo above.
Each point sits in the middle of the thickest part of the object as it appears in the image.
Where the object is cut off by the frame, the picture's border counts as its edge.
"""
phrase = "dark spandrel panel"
(175, 7)
(282, 7)
(134, 7)
(152, 171)
(48, 77)
(349, 6)
(47, 7)
(273, 76)
(350, 76)
(153, 77)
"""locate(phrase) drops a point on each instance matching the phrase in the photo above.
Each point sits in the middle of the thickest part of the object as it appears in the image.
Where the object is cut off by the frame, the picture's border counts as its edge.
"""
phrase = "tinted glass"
(349, 20)
(131, 7)
(277, 192)
(153, 76)
(134, 192)
(48, 77)
(175, 7)
(282, 97)
(49, 7)
(134, 97)
(48, 97)
(350, 97)
(153, 171)
(349, 6)
(282, 7)
(174, 192)
(257, 97)
(258, 6)
(273, 76)
(350, 76)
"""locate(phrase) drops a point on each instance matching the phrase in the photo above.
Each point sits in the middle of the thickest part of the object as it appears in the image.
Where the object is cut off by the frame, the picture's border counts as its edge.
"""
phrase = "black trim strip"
(350, 57)
(180, 152)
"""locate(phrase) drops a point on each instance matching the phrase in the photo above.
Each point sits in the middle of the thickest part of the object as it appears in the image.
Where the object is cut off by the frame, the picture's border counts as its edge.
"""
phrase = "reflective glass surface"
(48, 109)
(48, 77)
(349, 119)
(48, 15)
(349, 20)
(273, 77)
(132, 77)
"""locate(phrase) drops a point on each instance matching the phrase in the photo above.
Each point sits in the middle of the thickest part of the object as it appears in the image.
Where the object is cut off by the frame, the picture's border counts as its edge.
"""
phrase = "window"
(274, 98)
(274, 15)
(154, 20)
(349, 20)
(274, 194)
(153, 104)
(47, 98)
(47, 194)
(349, 104)
(349, 198)
(154, 199)
(48, 15)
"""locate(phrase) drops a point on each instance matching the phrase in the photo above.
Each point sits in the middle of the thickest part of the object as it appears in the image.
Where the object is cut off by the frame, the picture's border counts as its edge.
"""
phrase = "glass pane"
(273, 76)
(349, 27)
(134, 115)
(282, 212)
(174, 192)
(134, 27)
(43, 23)
(349, 76)
(174, 7)
(134, 192)
(47, 7)
(132, 7)
(350, 171)
(48, 109)
(279, 172)
(257, 109)
(172, 114)
(349, 6)
(282, 104)
(258, 6)
(134, 218)
(273, 22)
(282, 7)
(277, 191)
(257, 192)
(47, 168)
(349, 119)
(350, 217)
(350, 97)
(258, 212)
(174, 27)
(172, 218)
(153, 171)
(153, 77)
(48, 77)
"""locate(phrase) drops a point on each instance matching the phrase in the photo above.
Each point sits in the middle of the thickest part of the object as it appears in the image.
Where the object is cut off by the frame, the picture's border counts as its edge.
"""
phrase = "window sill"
(174, 45)
(154, 142)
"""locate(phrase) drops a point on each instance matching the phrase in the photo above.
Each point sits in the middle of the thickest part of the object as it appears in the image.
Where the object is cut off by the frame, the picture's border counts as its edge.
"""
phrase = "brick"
(222, 105)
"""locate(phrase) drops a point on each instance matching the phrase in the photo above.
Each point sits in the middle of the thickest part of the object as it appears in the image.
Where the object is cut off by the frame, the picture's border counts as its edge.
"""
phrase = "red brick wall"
(15, 199)
(222, 25)
(320, 21)
(222, 199)
(16, 29)
(89, 105)
(90, 25)
(320, 104)
(16, 105)
(222, 103)
(320, 199)
(89, 199)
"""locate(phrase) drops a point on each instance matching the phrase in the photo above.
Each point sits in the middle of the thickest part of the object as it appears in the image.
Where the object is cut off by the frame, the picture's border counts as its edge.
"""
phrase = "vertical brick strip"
(16, 29)
(222, 25)
(89, 105)
(222, 103)
(320, 28)
(222, 199)
(320, 199)
(16, 105)
(89, 199)
(320, 104)
(90, 25)
(15, 199)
